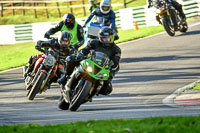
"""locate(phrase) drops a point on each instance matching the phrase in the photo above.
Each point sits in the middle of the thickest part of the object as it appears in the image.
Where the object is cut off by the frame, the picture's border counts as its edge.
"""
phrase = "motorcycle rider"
(106, 12)
(70, 25)
(61, 44)
(94, 4)
(105, 44)
(174, 3)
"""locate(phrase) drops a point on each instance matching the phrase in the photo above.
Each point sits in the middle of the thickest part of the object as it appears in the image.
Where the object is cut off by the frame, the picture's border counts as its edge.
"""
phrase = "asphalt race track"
(151, 69)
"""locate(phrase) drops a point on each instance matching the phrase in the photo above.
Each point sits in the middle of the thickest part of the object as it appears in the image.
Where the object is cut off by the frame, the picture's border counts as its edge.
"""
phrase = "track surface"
(151, 69)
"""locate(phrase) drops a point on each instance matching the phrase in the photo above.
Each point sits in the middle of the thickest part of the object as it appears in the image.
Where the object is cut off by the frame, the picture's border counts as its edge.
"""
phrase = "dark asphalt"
(151, 69)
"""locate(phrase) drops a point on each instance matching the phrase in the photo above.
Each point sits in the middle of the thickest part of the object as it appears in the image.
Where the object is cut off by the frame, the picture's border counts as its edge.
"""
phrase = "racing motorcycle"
(43, 72)
(86, 81)
(170, 18)
(93, 27)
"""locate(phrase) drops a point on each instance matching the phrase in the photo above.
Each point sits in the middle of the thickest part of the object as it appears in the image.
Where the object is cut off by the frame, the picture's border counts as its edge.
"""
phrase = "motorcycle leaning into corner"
(44, 70)
(86, 81)
(170, 18)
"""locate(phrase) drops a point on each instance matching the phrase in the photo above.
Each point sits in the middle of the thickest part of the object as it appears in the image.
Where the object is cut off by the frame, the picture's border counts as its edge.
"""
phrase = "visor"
(105, 8)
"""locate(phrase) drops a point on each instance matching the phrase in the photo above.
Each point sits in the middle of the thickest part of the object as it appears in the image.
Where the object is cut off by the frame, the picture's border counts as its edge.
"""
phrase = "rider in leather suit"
(174, 3)
(70, 25)
(105, 44)
(62, 44)
(106, 12)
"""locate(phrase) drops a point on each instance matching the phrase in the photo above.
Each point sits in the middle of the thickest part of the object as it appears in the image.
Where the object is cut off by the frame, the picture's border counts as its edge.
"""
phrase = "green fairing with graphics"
(86, 81)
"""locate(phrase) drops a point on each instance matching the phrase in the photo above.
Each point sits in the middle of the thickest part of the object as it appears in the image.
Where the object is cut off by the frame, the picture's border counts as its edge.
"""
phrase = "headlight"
(89, 69)
(49, 61)
(158, 11)
(102, 75)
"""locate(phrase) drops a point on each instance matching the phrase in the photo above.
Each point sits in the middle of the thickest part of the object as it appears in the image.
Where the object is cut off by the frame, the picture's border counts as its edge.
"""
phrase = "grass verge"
(178, 124)
(196, 87)
(18, 54)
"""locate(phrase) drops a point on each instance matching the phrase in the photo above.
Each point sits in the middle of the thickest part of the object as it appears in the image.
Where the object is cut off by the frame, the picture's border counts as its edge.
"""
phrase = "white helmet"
(105, 6)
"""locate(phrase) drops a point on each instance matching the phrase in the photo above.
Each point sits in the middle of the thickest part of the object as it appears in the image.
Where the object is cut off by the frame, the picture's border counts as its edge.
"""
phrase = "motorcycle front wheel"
(168, 28)
(80, 96)
(36, 87)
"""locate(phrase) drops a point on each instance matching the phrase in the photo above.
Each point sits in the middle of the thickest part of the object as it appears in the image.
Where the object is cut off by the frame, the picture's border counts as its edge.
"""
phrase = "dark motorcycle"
(170, 18)
(44, 70)
(86, 81)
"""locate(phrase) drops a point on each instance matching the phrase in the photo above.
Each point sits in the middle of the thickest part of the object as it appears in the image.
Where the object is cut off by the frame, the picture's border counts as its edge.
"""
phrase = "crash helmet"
(105, 6)
(106, 36)
(69, 20)
(64, 39)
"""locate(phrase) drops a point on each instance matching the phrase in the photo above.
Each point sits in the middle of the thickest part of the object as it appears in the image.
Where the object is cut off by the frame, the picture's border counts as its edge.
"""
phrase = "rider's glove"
(79, 57)
(116, 37)
(38, 45)
(149, 5)
(70, 59)
(76, 46)
(47, 35)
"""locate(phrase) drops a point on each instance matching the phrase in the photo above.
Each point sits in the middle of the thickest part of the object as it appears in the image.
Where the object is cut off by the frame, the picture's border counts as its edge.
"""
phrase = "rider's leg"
(179, 8)
(31, 62)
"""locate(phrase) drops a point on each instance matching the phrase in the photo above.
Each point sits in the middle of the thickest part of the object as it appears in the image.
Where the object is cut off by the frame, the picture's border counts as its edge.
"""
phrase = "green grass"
(187, 124)
(53, 13)
(17, 55)
(196, 87)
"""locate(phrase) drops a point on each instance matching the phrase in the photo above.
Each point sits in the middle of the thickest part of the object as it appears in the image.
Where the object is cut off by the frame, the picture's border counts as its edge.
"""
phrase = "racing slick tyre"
(168, 28)
(36, 87)
(80, 96)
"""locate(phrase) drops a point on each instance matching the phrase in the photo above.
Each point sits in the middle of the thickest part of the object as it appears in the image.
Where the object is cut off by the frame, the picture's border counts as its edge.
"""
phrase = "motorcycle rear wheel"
(36, 87)
(80, 96)
(185, 27)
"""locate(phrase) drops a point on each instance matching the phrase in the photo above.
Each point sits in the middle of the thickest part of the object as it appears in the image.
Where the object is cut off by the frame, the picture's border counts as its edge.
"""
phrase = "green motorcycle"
(86, 81)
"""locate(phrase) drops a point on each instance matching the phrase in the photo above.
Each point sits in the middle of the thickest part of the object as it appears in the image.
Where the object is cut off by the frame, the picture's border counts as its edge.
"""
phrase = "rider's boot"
(62, 81)
(29, 69)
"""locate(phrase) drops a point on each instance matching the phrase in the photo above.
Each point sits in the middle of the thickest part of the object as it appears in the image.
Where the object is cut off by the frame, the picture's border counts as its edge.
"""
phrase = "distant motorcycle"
(44, 70)
(86, 81)
(93, 27)
(170, 18)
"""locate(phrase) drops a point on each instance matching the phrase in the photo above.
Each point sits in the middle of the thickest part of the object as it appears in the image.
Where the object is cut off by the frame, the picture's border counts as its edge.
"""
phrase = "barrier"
(125, 19)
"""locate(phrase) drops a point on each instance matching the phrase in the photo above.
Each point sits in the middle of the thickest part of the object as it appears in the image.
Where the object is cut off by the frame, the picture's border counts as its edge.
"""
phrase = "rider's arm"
(90, 46)
(116, 58)
(112, 15)
(80, 35)
(45, 44)
(94, 12)
(54, 29)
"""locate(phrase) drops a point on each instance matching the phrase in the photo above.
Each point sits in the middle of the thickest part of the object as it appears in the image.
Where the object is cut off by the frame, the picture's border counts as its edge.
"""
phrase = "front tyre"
(36, 87)
(62, 104)
(80, 96)
(168, 28)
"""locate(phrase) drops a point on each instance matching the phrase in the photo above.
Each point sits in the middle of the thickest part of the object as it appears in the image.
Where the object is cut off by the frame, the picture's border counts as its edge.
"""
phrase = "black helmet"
(69, 20)
(106, 36)
(65, 39)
